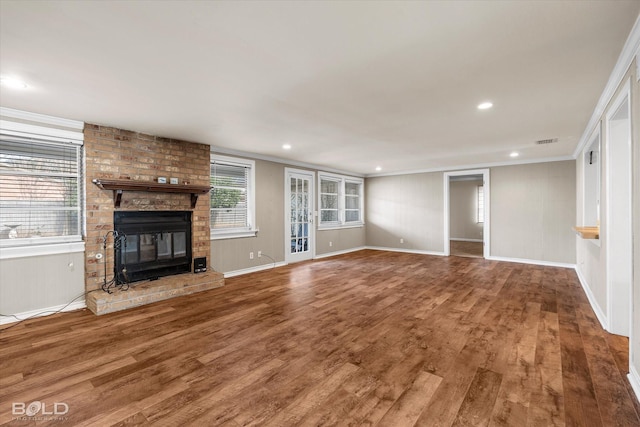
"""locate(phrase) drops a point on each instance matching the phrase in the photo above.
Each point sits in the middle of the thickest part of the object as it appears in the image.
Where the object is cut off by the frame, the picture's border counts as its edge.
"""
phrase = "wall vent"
(546, 141)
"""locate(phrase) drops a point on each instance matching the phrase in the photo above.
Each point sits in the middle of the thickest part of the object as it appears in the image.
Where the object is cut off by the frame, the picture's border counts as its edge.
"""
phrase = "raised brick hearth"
(112, 153)
(151, 291)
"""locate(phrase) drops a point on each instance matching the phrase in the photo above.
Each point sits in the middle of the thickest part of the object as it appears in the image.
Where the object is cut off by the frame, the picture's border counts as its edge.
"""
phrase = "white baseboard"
(532, 261)
(456, 239)
(254, 269)
(408, 251)
(47, 311)
(634, 379)
(592, 301)
(346, 251)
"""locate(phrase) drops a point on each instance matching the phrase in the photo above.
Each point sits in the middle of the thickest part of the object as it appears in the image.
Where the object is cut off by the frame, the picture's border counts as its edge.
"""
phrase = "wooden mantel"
(120, 185)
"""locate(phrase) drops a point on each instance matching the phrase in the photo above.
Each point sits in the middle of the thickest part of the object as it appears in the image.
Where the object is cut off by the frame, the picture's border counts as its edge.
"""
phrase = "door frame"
(287, 208)
(486, 228)
(619, 292)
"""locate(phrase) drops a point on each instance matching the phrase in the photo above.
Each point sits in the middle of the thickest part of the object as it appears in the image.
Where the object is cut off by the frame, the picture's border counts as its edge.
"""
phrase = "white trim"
(475, 166)
(280, 160)
(630, 49)
(486, 225)
(32, 314)
(616, 104)
(346, 251)
(40, 250)
(254, 269)
(634, 379)
(41, 118)
(465, 240)
(232, 234)
(408, 251)
(340, 227)
(32, 131)
(532, 261)
(592, 301)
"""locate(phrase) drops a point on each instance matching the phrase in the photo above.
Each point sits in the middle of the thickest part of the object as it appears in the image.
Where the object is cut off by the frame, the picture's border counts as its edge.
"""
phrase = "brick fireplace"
(117, 154)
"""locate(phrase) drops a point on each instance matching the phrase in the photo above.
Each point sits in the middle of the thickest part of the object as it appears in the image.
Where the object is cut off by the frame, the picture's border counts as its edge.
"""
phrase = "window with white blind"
(232, 198)
(480, 203)
(341, 201)
(40, 191)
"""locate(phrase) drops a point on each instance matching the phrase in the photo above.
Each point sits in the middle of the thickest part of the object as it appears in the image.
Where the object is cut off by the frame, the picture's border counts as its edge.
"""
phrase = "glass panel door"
(300, 216)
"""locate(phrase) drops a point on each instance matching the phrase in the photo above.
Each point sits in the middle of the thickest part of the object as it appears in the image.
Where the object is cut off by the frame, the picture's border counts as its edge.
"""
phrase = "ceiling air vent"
(546, 141)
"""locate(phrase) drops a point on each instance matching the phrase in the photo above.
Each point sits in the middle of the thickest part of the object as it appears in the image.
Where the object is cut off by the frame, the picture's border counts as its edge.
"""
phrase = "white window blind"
(40, 191)
(480, 203)
(229, 196)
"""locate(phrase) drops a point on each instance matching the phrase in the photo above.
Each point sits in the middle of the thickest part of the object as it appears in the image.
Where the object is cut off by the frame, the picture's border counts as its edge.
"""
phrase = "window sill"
(10, 252)
(340, 227)
(233, 234)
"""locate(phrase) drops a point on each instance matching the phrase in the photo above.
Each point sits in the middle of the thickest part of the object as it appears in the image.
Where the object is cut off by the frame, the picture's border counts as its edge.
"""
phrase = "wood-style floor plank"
(367, 338)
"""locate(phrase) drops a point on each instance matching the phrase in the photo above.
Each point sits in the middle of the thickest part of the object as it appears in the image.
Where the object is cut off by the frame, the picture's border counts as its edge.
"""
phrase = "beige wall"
(231, 255)
(408, 207)
(37, 282)
(533, 210)
(342, 240)
(463, 210)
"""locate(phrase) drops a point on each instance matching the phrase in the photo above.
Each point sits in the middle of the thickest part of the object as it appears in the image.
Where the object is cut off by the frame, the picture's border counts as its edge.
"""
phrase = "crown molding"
(10, 113)
(288, 162)
(475, 166)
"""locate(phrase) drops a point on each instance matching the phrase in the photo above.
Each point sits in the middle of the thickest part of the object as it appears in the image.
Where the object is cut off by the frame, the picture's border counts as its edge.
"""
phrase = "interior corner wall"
(408, 207)
(533, 210)
(463, 206)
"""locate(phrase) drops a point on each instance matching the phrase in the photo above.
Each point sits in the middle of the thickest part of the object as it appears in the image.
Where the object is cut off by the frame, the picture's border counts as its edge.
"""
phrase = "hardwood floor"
(467, 249)
(368, 338)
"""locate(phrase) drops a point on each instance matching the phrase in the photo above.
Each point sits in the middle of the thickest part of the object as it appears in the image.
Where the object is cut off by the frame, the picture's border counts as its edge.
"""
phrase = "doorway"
(618, 238)
(466, 213)
(299, 230)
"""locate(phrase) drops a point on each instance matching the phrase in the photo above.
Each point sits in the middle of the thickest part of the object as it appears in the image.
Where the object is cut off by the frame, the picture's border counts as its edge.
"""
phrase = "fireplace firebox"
(155, 244)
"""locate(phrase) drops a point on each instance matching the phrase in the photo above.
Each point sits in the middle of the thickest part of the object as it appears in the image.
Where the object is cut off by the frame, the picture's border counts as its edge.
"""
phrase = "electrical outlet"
(330, 244)
(401, 240)
(250, 255)
(259, 254)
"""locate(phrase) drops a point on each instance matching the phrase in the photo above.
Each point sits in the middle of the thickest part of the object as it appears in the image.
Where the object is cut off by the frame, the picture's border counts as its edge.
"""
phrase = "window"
(40, 191)
(480, 199)
(329, 206)
(341, 201)
(232, 198)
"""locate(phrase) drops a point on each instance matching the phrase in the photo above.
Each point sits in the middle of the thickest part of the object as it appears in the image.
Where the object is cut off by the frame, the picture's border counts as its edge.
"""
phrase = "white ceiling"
(350, 85)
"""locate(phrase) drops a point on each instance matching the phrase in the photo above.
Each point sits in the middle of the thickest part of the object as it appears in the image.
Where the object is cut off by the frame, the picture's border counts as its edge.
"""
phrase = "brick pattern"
(121, 154)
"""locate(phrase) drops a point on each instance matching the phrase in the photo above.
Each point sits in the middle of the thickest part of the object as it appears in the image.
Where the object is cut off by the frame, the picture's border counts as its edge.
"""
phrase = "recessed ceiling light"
(286, 146)
(378, 168)
(514, 154)
(13, 83)
(485, 105)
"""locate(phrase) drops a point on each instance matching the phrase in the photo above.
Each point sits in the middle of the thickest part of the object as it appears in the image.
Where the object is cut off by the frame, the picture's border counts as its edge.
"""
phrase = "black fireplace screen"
(157, 244)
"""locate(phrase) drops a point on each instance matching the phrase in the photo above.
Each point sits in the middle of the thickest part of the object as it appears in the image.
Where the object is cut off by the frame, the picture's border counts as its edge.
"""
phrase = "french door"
(299, 232)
